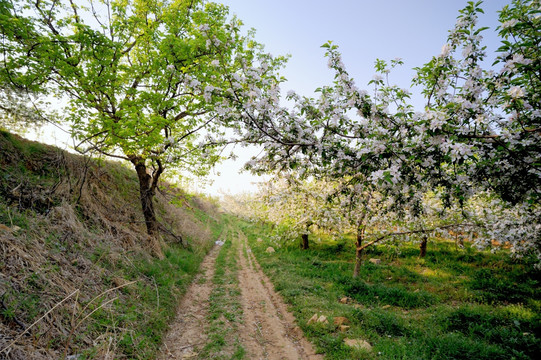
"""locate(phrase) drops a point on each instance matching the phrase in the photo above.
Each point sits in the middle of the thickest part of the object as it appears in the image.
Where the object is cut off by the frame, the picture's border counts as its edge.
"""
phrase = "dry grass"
(80, 220)
(177, 212)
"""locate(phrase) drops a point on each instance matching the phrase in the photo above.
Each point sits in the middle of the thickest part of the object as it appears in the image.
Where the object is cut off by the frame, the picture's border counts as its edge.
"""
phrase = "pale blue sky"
(414, 30)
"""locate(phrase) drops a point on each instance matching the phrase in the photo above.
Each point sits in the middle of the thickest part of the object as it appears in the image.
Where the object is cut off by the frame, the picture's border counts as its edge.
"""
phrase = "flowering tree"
(479, 133)
(484, 126)
(245, 205)
(144, 78)
(488, 121)
(374, 216)
(298, 207)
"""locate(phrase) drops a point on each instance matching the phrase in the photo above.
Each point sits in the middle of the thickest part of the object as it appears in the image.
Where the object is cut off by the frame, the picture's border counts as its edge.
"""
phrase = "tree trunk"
(422, 246)
(459, 242)
(147, 190)
(304, 241)
(358, 253)
(304, 237)
(358, 263)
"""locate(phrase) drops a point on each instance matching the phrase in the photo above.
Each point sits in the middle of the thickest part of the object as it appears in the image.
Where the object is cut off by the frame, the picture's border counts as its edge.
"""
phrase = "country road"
(265, 328)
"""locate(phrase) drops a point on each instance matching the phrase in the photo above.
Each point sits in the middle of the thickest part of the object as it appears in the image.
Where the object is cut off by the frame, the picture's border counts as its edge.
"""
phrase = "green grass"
(453, 304)
(136, 320)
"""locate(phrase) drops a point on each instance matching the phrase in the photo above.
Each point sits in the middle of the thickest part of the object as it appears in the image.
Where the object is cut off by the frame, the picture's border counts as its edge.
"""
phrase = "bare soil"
(269, 330)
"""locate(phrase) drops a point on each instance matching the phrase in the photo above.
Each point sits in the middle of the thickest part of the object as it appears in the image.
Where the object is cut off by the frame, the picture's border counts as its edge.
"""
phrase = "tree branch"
(413, 232)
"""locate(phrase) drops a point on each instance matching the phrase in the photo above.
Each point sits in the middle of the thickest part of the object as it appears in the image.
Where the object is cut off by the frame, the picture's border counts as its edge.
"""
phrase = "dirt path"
(268, 330)
(188, 330)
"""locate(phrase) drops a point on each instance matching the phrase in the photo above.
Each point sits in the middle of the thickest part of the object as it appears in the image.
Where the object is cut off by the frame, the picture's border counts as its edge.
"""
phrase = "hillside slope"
(79, 276)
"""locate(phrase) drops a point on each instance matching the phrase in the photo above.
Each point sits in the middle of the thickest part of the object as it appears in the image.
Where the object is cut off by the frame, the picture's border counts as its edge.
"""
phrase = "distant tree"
(299, 207)
(150, 82)
(373, 217)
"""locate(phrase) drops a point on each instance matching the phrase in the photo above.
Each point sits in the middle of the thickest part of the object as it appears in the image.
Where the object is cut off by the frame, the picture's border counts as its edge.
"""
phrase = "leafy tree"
(19, 106)
(149, 82)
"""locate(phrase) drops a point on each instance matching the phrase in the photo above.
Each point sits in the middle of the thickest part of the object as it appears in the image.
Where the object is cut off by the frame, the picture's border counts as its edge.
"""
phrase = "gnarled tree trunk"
(148, 183)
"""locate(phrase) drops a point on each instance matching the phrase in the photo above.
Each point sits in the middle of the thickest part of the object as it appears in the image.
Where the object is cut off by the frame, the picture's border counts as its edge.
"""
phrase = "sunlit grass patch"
(453, 304)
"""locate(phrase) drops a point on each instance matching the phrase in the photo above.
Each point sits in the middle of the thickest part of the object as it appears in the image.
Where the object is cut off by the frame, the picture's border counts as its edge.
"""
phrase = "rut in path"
(188, 330)
(268, 330)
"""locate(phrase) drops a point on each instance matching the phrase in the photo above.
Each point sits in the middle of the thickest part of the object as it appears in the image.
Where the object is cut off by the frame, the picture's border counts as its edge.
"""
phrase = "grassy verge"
(225, 311)
(453, 304)
(129, 321)
(77, 260)
(138, 320)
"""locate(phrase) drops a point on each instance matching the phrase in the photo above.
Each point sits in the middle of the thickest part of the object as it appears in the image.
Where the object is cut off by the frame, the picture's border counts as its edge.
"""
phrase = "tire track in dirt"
(270, 331)
(187, 332)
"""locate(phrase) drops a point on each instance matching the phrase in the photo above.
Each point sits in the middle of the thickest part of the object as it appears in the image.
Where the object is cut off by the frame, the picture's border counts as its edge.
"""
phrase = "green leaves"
(329, 45)
(143, 78)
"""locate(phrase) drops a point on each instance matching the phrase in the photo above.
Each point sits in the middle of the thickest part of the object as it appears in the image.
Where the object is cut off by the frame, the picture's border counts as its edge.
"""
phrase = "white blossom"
(509, 23)
(516, 92)
(445, 50)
